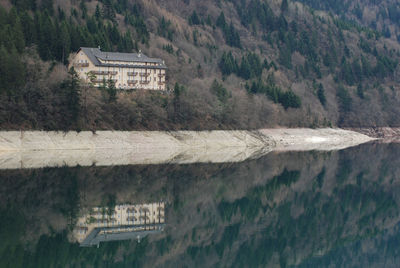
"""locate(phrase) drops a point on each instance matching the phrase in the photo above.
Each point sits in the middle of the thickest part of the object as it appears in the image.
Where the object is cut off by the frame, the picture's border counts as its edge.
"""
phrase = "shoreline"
(384, 134)
(36, 149)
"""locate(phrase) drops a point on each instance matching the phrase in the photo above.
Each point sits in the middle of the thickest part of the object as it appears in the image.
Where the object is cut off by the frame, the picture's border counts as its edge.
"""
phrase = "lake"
(283, 209)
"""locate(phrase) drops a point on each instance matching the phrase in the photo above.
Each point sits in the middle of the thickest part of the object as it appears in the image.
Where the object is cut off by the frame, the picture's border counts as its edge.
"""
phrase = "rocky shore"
(35, 149)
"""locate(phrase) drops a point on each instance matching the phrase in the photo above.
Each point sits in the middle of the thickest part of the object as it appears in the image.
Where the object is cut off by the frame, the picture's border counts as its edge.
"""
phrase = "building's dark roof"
(96, 236)
(95, 53)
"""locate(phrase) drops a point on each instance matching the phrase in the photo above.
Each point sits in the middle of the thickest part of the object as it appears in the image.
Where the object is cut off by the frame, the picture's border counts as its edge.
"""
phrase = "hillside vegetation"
(232, 64)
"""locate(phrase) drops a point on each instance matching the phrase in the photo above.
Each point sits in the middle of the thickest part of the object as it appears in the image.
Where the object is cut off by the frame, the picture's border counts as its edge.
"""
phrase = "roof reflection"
(122, 222)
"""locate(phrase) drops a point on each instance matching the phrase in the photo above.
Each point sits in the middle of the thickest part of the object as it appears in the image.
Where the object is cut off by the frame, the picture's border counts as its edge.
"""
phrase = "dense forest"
(383, 16)
(232, 64)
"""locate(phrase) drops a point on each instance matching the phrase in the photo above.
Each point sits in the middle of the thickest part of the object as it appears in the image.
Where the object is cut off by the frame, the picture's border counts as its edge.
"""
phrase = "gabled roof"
(91, 52)
(95, 54)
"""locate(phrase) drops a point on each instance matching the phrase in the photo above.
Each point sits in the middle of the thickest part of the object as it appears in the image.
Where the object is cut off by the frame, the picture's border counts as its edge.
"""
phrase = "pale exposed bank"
(35, 149)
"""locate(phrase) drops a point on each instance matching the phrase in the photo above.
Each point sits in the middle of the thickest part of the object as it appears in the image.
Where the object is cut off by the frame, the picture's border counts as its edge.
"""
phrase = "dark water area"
(293, 209)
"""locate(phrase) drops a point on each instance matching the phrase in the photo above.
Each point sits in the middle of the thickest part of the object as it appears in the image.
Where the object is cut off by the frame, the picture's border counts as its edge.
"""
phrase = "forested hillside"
(232, 64)
(383, 16)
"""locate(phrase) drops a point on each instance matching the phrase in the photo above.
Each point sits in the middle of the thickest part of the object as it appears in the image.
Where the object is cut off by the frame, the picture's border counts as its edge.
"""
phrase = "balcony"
(132, 82)
(144, 217)
(131, 218)
(101, 80)
(133, 209)
(81, 64)
(144, 82)
(144, 74)
(104, 72)
(161, 83)
(161, 75)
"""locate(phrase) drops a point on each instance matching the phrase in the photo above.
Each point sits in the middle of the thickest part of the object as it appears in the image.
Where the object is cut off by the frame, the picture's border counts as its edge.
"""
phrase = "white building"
(127, 70)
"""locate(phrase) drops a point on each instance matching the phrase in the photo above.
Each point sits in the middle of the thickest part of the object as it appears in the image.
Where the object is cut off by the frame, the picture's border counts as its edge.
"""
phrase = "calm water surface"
(294, 209)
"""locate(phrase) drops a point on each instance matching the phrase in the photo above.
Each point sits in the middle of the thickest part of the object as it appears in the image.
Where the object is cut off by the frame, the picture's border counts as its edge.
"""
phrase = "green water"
(295, 209)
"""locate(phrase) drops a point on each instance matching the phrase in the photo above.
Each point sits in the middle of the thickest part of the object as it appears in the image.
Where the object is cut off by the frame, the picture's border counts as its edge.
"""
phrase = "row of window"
(132, 70)
(155, 79)
(130, 63)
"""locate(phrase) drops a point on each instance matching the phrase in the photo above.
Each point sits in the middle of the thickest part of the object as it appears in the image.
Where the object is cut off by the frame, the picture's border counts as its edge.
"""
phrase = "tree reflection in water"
(302, 209)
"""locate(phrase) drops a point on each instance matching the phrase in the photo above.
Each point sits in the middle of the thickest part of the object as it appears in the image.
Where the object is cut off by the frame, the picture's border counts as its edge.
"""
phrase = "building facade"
(126, 70)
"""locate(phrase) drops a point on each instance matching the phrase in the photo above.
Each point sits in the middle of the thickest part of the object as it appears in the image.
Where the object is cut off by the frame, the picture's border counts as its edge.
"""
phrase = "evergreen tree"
(344, 98)
(232, 36)
(208, 20)
(221, 21)
(22, 5)
(46, 35)
(219, 90)
(255, 65)
(6, 35)
(12, 71)
(61, 14)
(3, 17)
(165, 29)
(108, 10)
(111, 90)
(287, 99)
(284, 6)
(97, 13)
(64, 43)
(347, 73)
(83, 9)
(18, 36)
(321, 94)
(290, 100)
(366, 67)
(71, 88)
(245, 69)
(285, 57)
(357, 70)
(47, 5)
(360, 91)
(91, 25)
(228, 64)
(194, 19)
(12, 16)
(4, 69)
(28, 27)
(178, 91)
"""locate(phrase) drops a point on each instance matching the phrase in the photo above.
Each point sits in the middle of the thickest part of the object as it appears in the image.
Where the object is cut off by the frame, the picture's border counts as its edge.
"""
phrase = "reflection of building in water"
(123, 222)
